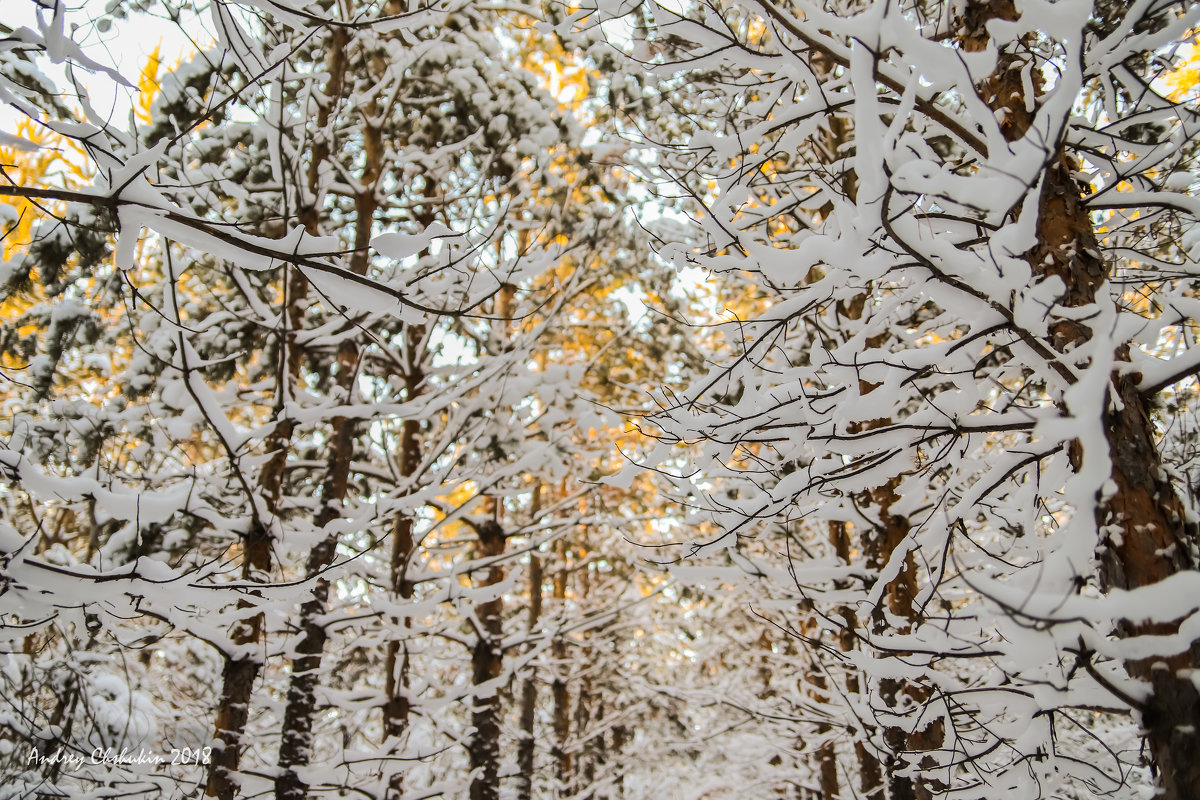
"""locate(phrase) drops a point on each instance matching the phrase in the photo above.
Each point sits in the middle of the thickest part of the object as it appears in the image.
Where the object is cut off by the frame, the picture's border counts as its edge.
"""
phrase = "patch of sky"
(123, 44)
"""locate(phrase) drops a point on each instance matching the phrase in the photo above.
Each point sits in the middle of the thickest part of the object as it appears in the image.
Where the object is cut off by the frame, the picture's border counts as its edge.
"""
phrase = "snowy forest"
(604, 400)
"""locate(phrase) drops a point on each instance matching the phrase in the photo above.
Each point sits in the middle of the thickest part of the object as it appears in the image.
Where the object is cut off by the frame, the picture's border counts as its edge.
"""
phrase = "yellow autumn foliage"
(1181, 81)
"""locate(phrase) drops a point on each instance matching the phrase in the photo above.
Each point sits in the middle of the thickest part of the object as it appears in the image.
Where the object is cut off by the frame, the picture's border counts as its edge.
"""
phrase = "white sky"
(125, 46)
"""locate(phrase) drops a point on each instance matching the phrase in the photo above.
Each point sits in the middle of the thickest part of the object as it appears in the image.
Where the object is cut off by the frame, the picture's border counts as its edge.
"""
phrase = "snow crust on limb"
(947, 238)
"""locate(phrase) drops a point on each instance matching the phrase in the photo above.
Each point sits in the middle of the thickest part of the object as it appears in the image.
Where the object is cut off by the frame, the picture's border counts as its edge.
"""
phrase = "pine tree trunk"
(901, 595)
(620, 736)
(869, 770)
(880, 545)
(824, 760)
(487, 664)
(585, 760)
(827, 763)
(296, 742)
(396, 703)
(1152, 539)
(295, 747)
(526, 748)
(238, 675)
(585, 767)
(559, 754)
(241, 669)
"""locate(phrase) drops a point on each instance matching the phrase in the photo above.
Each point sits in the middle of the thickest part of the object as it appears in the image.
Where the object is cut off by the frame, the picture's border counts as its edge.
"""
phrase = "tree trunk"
(242, 668)
(396, 703)
(585, 767)
(238, 676)
(869, 770)
(897, 694)
(1152, 539)
(558, 689)
(1148, 537)
(296, 742)
(585, 759)
(880, 545)
(826, 755)
(487, 664)
(620, 736)
(526, 749)
(824, 760)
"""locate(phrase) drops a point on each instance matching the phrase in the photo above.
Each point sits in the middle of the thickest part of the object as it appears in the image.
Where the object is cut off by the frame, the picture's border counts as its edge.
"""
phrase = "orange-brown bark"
(240, 670)
(1147, 536)
(487, 661)
(529, 690)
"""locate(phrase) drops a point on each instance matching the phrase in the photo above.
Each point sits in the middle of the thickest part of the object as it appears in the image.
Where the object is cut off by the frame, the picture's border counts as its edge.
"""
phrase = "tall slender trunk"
(816, 685)
(487, 656)
(397, 705)
(598, 750)
(241, 668)
(239, 673)
(296, 741)
(585, 766)
(869, 770)
(396, 702)
(526, 748)
(898, 694)
(558, 688)
(880, 546)
(487, 664)
(826, 753)
(620, 737)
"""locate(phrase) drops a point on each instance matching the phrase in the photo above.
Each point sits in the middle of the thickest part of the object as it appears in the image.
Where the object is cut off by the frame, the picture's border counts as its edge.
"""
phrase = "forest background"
(612, 400)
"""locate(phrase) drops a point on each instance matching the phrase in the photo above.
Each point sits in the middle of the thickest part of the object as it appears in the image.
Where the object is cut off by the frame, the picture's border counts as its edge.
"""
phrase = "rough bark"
(585, 767)
(584, 773)
(880, 545)
(238, 676)
(559, 754)
(826, 754)
(296, 740)
(1147, 538)
(241, 668)
(487, 661)
(396, 703)
(620, 737)
(529, 691)
(869, 770)
(901, 595)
